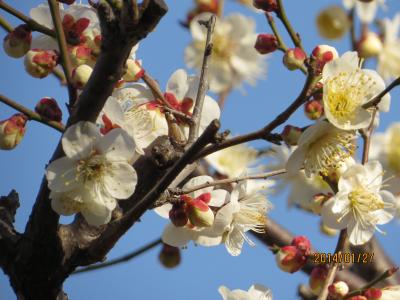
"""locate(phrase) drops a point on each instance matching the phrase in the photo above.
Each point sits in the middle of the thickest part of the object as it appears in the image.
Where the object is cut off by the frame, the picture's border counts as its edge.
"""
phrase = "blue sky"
(202, 270)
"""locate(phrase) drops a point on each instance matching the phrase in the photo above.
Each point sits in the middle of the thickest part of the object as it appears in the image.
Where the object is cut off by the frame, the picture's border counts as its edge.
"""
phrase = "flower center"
(363, 202)
(327, 152)
(393, 154)
(346, 92)
(92, 168)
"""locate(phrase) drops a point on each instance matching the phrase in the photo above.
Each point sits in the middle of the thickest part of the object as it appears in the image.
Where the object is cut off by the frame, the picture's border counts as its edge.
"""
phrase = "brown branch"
(229, 180)
(203, 84)
(353, 38)
(375, 101)
(62, 45)
(31, 114)
(266, 132)
(121, 259)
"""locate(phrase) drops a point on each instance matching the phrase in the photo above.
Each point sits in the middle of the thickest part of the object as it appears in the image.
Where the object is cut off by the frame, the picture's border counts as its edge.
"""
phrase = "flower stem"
(281, 13)
(4, 24)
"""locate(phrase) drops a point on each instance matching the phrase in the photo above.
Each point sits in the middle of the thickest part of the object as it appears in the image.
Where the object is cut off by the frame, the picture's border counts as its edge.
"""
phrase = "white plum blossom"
(321, 148)
(77, 19)
(245, 211)
(390, 293)
(180, 236)
(232, 161)
(347, 88)
(360, 204)
(366, 10)
(255, 292)
(389, 58)
(95, 172)
(234, 58)
(385, 147)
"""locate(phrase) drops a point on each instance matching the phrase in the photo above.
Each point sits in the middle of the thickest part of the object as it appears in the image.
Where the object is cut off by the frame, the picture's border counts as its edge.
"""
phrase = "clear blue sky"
(202, 270)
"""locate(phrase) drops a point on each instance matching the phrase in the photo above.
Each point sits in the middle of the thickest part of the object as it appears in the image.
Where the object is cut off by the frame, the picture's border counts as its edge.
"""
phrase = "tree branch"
(375, 101)
(203, 84)
(31, 114)
(5, 25)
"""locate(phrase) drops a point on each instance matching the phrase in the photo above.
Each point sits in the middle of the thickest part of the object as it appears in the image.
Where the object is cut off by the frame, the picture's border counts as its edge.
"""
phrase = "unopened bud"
(321, 55)
(134, 71)
(266, 43)
(80, 54)
(294, 58)
(48, 108)
(199, 213)
(178, 215)
(266, 5)
(80, 76)
(12, 131)
(373, 294)
(290, 259)
(211, 6)
(302, 243)
(313, 109)
(291, 134)
(18, 42)
(40, 63)
(170, 256)
(370, 45)
(359, 297)
(317, 279)
(338, 290)
(327, 230)
(332, 22)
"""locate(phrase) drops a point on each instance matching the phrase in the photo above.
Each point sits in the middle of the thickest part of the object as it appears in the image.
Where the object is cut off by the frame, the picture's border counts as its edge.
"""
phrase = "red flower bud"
(313, 109)
(294, 58)
(49, 109)
(266, 5)
(290, 259)
(178, 215)
(317, 279)
(302, 243)
(291, 135)
(321, 55)
(18, 42)
(373, 294)
(338, 290)
(12, 131)
(40, 63)
(266, 43)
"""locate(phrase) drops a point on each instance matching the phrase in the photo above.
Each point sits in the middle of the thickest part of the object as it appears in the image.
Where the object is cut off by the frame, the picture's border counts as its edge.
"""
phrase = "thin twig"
(281, 13)
(35, 26)
(333, 268)
(271, 22)
(121, 259)
(203, 84)
(62, 44)
(229, 180)
(31, 114)
(5, 25)
(353, 38)
(385, 275)
(266, 132)
(375, 101)
(366, 136)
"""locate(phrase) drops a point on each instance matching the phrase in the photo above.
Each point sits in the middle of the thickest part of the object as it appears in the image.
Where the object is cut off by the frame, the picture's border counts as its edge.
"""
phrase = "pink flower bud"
(291, 135)
(290, 259)
(370, 45)
(178, 215)
(12, 131)
(80, 54)
(80, 76)
(199, 212)
(266, 43)
(18, 42)
(357, 298)
(170, 256)
(40, 63)
(317, 279)
(313, 109)
(321, 55)
(134, 71)
(266, 5)
(48, 108)
(373, 294)
(302, 243)
(294, 58)
(338, 290)
(69, 2)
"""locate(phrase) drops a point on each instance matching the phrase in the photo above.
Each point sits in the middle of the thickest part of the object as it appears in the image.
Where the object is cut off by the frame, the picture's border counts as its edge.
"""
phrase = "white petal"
(366, 11)
(116, 145)
(224, 217)
(198, 31)
(359, 235)
(78, 139)
(121, 180)
(199, 180)
(211, 111)
(176, 236)
(61, 175)
(296, 161)
(178, 84)
(163, 211)
(260, 292)
(59, 206)
(44, 42)
(113, 110)
(97, 216)
(331, 219)
(41, 14)
(234, 241)
(224, 292)
(133, 95)
(374, 173)
(218, 198)
(348, 62)
(207, 238)
(385, 215)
